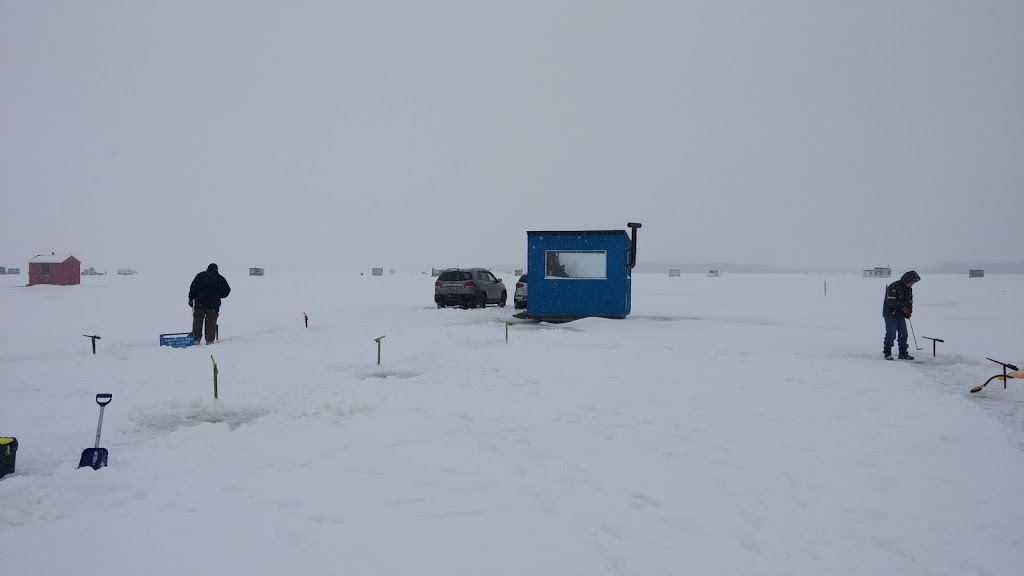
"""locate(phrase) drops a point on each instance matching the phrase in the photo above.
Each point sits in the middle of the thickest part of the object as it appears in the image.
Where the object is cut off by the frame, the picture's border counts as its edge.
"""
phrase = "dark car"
(469, 288)
(519, 299)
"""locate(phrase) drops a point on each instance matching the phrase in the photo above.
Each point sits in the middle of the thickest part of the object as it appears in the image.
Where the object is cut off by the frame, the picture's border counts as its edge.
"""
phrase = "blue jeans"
(892, 327)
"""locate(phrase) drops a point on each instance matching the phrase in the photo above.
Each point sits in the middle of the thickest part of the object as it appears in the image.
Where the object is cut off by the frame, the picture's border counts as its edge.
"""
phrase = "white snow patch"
(736, 425)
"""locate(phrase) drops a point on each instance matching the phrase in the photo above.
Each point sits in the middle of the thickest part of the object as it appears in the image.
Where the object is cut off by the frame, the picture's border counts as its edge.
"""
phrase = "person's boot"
(905, 355)
(887, 353)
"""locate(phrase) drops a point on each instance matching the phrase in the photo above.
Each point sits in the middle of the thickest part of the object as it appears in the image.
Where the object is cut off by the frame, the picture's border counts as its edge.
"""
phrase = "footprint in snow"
(454, 514)
(405, 501)
(325, 519)
(641, 500)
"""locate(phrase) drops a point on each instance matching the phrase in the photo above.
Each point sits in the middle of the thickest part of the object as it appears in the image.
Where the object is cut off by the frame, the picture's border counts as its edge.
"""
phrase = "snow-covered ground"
(733, 425)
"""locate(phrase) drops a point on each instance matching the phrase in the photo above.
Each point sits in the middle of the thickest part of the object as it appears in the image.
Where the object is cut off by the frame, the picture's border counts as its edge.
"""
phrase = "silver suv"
(519, 299)
(470, 287)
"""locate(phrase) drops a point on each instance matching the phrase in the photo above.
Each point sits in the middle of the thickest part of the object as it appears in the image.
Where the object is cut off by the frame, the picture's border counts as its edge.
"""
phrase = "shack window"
(45, 269)
(576, 264)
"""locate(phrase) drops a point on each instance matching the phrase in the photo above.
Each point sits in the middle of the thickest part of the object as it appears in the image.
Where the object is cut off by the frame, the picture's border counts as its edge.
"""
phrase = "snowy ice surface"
(733, 425)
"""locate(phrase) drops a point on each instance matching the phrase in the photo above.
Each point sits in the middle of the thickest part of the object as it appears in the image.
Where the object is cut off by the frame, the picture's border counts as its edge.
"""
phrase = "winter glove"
(906, 312)
(191, 304)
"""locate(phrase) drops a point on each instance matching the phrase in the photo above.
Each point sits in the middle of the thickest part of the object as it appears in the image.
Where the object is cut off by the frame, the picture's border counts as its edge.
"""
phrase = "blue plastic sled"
(177, 340)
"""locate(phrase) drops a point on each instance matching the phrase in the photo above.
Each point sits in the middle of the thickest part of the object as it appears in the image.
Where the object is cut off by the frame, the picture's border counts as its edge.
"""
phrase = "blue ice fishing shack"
(576, 274)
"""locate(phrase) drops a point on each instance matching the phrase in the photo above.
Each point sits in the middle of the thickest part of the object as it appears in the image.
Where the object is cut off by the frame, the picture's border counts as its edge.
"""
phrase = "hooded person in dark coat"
(897, 307)
(204, 296)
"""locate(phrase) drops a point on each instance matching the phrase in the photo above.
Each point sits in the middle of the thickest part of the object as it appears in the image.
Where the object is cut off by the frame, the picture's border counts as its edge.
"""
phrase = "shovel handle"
(104, 399)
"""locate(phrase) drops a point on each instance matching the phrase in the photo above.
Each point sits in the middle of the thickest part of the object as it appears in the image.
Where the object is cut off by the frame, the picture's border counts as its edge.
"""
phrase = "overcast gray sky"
(412, 134)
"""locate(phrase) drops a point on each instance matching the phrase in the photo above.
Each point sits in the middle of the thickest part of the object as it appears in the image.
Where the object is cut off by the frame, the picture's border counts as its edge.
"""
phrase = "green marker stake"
(214, 376)
(377, 340)
(506, 323)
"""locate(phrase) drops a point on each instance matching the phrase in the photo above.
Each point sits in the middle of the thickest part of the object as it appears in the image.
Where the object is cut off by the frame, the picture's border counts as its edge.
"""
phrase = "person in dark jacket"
(204, 296)
(897, 307)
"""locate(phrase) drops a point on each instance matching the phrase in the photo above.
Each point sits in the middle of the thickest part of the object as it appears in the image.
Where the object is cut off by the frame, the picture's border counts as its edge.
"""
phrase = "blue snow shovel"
(96, 457)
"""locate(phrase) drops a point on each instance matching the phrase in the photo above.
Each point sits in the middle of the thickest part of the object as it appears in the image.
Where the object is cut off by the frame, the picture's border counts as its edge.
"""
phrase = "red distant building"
(60, 269)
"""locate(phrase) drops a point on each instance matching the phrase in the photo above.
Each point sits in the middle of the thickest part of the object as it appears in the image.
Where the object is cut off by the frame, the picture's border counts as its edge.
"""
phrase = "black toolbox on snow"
(8, 450)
